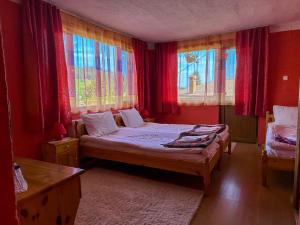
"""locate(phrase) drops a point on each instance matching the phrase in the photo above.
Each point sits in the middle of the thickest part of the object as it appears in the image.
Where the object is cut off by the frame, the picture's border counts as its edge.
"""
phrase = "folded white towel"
(191, 138)
(206, 129)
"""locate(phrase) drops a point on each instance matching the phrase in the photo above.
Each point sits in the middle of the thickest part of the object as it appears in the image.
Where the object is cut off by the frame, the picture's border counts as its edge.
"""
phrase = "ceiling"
(169, 20)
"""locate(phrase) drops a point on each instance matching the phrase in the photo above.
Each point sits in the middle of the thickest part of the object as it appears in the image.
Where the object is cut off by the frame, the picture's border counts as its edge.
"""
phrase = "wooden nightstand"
(64, 152)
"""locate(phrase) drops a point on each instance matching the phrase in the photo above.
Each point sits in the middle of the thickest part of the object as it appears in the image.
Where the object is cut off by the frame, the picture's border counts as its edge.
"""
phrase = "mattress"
(177, 129)
(143, 140)
(276, 145)
(283, 154)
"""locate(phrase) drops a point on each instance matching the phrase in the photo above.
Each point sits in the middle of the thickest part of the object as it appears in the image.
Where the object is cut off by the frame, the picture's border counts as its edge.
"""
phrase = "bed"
(225, 139)
(276, 155)
(128, 145)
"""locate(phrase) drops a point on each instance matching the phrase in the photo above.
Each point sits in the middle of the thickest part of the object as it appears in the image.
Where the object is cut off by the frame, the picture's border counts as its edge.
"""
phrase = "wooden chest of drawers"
(64, 152)
(53, 194)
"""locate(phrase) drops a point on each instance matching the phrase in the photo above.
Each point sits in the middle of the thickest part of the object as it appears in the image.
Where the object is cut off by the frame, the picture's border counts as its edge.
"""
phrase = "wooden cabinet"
(64, 152)
(53, 194)
(242, 128)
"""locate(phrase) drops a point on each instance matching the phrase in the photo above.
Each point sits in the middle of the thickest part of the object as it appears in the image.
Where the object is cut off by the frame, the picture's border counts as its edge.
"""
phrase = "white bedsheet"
(276, 145)
(142, 139)
(280, 153)
(176, 128)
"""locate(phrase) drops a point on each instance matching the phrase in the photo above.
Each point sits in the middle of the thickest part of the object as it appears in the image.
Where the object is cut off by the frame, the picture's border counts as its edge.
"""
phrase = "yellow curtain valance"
(215, 41)
(74, 25)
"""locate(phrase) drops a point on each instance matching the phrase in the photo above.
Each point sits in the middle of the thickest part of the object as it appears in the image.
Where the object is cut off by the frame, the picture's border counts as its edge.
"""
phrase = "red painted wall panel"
(193, 115)
(284, 59)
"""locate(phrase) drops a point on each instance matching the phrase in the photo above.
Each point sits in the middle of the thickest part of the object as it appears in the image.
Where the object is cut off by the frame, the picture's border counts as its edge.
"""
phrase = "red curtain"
(141, 55)
(166, 78)
(251, 71)
(8, 201)
(45, 78)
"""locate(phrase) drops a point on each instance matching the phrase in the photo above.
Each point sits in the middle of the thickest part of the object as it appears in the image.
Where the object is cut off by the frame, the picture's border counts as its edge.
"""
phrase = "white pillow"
(285, 115)
(99, 124)
(131, 118)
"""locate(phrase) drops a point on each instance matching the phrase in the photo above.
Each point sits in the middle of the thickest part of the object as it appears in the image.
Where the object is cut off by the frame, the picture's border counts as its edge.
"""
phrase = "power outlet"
(285, 77)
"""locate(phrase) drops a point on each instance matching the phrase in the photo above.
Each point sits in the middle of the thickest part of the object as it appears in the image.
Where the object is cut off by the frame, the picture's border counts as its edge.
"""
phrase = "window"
(100, 65)
(230, 70)
(207, 76)
(100, 76)
(196, 75)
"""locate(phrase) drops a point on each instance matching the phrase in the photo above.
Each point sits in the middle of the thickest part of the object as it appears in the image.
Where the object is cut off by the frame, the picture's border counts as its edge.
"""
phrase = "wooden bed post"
(218, 166)
(76, 129)
(264, 164)
(264, 156)
(206, 177)
(269, 118)
(229, 145)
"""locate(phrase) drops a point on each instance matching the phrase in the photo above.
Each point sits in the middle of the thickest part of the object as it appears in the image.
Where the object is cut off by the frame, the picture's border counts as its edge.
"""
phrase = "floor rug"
(111, 197)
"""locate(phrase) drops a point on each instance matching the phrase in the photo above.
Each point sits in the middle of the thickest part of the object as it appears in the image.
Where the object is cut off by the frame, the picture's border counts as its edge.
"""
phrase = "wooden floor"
(237, 197)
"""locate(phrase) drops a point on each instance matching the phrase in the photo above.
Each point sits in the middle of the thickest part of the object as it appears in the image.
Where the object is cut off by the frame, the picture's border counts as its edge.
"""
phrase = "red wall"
(193, 115)
(24, 143)
(284, 59)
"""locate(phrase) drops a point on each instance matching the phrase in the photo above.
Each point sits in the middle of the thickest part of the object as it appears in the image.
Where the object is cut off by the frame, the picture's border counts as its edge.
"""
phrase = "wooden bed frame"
(166, 161)
(274, 163)
(227, 144)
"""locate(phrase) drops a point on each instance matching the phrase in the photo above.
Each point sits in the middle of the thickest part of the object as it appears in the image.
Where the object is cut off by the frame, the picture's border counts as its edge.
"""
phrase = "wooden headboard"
(81, 130)
(269, 118)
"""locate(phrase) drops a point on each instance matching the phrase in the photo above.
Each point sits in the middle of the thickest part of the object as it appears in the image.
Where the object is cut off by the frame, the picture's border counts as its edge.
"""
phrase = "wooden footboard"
(274, 163)
(214, 162)
(264, 166)
(173, 162)
(281, 164)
